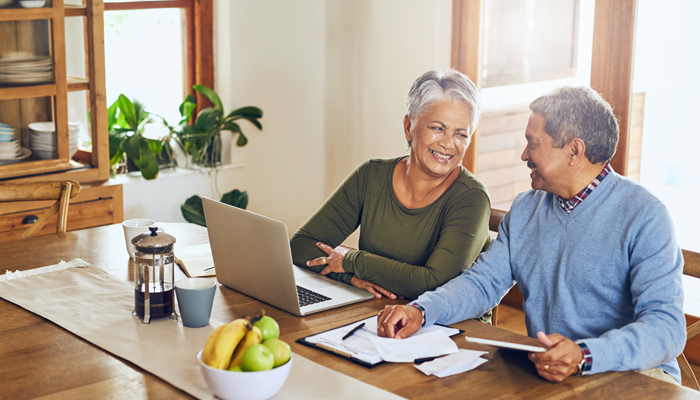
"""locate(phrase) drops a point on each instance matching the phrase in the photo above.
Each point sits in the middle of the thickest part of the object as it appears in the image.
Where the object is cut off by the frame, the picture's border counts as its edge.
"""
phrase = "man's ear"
(577, 151)
(407, 127)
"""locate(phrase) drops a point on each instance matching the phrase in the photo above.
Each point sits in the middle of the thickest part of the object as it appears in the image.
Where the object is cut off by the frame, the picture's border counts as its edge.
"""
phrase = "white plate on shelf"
(24, 153)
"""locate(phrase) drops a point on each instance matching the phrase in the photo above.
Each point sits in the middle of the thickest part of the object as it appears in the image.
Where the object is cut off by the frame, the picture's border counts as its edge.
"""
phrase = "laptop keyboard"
(307, 297)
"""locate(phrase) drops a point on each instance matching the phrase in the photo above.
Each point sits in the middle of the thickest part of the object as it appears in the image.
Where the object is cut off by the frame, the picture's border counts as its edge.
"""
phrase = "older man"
(593, 253)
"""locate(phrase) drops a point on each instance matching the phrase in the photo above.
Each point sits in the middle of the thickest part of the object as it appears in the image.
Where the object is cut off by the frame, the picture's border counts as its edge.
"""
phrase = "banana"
(254, 336)
(208, 353)
(226, 342)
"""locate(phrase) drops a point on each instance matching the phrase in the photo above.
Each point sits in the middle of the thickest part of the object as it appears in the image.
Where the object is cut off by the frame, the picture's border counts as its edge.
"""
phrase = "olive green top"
(406, 251)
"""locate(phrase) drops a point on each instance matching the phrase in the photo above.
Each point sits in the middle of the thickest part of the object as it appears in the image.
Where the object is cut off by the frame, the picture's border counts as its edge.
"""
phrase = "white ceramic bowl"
(47, 127)
(32, 3)
(230, 385)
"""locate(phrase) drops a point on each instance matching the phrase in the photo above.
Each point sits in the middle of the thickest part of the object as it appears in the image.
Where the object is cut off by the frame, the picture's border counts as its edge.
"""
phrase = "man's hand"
(560, 361)
(373, 288)
(334, 259)
(399, 322)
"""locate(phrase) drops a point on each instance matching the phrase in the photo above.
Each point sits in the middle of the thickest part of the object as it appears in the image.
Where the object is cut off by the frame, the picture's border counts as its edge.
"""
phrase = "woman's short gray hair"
(443, 85)
(578, 111)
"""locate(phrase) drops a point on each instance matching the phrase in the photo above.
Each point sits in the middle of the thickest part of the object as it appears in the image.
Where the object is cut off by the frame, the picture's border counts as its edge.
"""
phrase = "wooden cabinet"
(42, 32)
(93, 206)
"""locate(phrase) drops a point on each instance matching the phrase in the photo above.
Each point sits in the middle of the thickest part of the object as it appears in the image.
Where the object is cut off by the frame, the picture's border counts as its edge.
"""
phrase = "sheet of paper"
(458, 369)
(430, 344)
(360, 343)
(462, 358)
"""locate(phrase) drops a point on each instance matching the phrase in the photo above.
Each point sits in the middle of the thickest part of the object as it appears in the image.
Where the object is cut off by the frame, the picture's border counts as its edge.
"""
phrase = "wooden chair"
(35, 191)
(691, 268)
(495, 220)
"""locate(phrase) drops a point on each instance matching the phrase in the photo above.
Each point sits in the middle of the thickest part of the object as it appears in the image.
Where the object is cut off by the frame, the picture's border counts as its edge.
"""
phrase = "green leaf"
(112, 116)
(139, 111)
(207, 119)
(127, 110)
(231, 126)
(242, 140)
(147, 162)
(155, 145)
(211, 95)
(254, 122)
(193, 211)
(132, 147)
(116, 136)
(138, 150)
(187, 107)
(236, 198)
(248, 111)
(116, 158)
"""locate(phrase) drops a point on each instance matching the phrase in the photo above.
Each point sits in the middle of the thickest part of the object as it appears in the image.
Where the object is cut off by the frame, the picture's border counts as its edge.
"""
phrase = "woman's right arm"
(332, 223)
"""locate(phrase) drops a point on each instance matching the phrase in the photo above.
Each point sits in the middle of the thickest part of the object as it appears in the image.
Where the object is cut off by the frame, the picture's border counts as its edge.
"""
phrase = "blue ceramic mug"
(195, 297)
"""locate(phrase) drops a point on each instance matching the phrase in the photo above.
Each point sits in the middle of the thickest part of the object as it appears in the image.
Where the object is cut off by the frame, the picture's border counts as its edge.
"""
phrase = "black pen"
(352, 332)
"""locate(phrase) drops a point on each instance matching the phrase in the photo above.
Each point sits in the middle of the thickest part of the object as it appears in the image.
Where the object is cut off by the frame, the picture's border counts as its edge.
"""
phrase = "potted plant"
(201, 138)
(126, 122)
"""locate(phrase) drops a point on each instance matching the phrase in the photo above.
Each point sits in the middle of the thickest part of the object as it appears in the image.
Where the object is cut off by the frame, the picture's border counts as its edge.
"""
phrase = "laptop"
(252, 255)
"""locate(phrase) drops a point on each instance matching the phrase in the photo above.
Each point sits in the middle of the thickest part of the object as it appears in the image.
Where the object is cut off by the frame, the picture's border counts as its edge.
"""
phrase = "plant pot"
(210, 157)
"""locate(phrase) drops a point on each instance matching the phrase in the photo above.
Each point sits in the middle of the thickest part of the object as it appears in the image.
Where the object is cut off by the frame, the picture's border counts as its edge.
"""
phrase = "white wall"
(374, 52)
(331, 77)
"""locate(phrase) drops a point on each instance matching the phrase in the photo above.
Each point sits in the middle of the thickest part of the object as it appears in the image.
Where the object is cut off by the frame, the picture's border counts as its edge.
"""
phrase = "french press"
(154, 275)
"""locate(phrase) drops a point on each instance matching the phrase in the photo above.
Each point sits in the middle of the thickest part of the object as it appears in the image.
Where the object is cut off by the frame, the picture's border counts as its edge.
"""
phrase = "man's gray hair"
(443, 85)
(579, 112)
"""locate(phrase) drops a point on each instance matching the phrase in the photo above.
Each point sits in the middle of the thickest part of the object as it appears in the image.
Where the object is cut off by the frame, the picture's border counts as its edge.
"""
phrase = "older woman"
(423, 217)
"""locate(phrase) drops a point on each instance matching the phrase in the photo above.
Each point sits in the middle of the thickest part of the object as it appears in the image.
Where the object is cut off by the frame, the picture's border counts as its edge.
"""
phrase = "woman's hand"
(334, 258)
(373, 288)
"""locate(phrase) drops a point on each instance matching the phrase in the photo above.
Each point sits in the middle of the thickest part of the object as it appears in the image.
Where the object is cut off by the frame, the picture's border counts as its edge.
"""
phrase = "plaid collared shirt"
(569, 205)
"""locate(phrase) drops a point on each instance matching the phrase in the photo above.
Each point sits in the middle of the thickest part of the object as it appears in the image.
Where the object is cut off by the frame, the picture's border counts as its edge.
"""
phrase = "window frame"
(199, 17)
(611, 68)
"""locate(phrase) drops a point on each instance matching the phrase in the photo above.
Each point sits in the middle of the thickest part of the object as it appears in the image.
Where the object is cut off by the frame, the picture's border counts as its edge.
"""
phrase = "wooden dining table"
(39, 359)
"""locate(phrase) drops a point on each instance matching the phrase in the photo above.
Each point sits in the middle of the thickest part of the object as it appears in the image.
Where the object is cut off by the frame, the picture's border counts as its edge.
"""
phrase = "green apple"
(257, 358)
(237, 368)
(268, 327)
(280, 351)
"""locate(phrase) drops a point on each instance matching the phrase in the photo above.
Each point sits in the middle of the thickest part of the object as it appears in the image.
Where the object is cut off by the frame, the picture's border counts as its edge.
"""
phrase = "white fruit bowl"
(230, 385)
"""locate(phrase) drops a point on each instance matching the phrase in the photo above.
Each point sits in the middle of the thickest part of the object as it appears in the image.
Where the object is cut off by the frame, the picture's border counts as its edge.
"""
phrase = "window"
(655, 109)
(156, 50)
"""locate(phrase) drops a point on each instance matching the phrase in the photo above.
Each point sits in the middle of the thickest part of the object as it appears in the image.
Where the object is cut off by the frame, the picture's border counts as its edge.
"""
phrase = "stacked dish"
(10, 149)
(42, 139)
(22, 69)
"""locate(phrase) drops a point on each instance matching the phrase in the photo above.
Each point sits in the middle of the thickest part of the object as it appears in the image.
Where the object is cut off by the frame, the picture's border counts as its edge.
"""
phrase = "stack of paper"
(363, 344)
(463, 361)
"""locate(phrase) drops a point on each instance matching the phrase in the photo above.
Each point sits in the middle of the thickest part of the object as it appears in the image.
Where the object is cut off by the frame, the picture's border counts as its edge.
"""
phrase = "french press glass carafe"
(154, 275)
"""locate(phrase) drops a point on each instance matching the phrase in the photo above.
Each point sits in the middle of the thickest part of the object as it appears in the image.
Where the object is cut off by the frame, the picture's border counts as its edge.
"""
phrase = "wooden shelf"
(75, 11)
(26, 92)
(23, 14)
(76, 84)
(43, 31)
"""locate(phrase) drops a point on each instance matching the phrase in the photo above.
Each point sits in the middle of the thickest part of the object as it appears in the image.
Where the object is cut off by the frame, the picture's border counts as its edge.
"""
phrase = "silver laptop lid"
(252, 255)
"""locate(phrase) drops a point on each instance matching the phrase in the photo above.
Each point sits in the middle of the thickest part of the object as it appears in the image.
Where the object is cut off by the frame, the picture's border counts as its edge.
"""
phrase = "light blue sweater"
(608, 274)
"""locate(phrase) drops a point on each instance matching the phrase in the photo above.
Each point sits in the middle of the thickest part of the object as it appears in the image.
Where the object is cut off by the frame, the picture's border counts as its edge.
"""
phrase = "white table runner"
(97, 307)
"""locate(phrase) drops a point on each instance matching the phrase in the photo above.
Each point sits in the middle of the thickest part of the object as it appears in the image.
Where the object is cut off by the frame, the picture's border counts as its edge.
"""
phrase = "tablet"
(506, 345)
